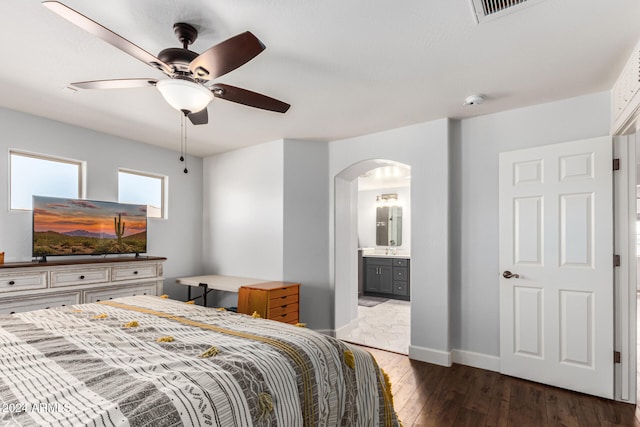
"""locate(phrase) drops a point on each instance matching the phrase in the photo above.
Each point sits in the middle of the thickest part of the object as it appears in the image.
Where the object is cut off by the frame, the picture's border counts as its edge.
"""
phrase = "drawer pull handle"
(82, 277)
(13, 312)
(284, 306)
(135, 272)
(12, 282)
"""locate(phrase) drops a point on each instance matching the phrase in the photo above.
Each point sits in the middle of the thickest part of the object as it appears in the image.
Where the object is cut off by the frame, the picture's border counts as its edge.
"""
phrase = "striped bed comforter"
(150, 361)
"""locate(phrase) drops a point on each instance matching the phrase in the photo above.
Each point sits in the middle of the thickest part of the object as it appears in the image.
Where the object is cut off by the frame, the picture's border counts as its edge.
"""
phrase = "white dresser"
(33, 285)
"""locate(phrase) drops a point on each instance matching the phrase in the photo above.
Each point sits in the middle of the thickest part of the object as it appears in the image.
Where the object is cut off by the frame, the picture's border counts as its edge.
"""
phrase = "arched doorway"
(360, 324)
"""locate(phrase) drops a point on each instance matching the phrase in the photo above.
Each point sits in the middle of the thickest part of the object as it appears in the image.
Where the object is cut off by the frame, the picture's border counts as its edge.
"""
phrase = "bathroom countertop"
(383, 254)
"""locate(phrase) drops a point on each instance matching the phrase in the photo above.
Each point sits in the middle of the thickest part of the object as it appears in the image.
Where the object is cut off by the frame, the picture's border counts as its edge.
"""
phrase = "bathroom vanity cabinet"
(387, 277)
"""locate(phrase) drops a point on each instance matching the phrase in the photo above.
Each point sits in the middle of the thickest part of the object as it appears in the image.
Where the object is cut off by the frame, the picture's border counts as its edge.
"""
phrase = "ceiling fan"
(189, 86)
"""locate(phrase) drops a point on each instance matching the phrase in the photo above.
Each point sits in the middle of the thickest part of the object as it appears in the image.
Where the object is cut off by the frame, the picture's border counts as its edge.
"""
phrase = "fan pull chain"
(183, 139)
(184, 120)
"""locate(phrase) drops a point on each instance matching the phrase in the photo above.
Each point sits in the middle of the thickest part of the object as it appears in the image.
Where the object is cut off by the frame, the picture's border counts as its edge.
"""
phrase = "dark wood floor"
(431, 395)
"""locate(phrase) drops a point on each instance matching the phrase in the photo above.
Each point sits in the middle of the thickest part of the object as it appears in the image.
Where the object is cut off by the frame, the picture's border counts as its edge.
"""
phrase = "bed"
(152, 361)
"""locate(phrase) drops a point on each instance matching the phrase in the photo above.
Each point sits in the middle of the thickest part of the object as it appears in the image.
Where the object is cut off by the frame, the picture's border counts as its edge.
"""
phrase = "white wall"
(475, 145)
(178, 238)
(425, 148)
(367, 216)
(243, 212)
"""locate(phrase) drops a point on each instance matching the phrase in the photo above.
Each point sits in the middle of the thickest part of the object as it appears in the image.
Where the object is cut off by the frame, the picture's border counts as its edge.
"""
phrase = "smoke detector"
(474, 100)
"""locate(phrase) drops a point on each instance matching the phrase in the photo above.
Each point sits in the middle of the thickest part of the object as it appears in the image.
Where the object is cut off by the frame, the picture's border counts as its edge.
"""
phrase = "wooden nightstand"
(271, 300)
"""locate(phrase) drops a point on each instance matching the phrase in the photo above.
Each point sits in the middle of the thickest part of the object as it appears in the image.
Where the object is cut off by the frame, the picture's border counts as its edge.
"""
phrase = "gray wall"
(475, 146)
(425, 148)
(306, 228)
(178, 238)
(269, 210)
(266, 217)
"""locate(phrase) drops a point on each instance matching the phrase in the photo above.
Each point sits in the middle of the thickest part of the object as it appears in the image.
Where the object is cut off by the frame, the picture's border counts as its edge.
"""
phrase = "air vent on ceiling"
(484, 10)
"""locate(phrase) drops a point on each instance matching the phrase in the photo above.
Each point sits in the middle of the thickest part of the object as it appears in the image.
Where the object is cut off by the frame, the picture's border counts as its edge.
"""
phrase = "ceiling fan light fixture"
(184, 95)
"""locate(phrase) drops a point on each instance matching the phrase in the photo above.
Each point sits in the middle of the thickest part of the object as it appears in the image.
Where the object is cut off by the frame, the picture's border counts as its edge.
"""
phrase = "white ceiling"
(347, 67)
(388, 176)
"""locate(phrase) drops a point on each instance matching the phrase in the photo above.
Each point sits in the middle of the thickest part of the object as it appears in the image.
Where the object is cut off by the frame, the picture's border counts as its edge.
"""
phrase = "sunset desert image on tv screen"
(64, 226)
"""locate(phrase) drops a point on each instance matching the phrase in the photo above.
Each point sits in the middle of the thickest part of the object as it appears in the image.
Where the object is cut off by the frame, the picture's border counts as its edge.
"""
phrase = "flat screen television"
(64, 226)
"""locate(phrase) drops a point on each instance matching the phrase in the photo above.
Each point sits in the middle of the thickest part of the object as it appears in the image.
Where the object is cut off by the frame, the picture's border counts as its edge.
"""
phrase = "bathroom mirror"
(389, 226)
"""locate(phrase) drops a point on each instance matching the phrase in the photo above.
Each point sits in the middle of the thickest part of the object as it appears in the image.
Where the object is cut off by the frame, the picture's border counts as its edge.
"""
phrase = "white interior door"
(556, 260)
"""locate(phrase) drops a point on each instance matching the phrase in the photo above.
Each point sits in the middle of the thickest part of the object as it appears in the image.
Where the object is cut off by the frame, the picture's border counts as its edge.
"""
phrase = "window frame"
(82, 173)
(164, 192)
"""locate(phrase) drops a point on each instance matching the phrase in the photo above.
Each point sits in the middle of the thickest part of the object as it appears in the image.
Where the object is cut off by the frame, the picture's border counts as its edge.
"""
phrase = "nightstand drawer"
(285, 309)
(131, 272)
(286, 317)
(282, 301)
(83, 276)
(279, 293)
(23, 281)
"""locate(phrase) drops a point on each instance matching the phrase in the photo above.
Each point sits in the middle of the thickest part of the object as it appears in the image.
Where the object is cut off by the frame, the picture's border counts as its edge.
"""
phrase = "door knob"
(508, 275)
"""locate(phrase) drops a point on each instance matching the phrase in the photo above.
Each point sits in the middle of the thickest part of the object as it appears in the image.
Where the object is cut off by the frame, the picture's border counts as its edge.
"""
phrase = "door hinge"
(616, 260)
(616, 357)
(616, 164)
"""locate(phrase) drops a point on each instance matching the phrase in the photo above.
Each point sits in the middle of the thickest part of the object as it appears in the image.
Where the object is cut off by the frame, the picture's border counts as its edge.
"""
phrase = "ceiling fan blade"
(115, 84)
(246, 97)
(107, 35)
(226, 56)
(199, 118)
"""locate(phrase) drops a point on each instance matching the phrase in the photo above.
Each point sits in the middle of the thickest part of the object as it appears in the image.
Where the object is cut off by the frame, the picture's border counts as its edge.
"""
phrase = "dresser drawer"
(38, 303)
(131, 272)
(83, 276)
(23, 281)
(111, 293)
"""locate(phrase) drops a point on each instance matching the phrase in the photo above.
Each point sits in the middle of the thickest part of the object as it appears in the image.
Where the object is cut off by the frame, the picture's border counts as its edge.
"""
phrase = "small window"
(144, 189)
(40, 175)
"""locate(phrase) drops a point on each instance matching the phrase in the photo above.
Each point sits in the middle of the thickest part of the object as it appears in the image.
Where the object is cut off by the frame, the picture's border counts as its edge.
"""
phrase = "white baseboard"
(344, 330)
(462, 357)
(429, 355)
(477, 360)
(330, 332)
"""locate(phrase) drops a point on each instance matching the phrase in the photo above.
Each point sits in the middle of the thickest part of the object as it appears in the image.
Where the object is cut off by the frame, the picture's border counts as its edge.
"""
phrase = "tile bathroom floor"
(385, 326)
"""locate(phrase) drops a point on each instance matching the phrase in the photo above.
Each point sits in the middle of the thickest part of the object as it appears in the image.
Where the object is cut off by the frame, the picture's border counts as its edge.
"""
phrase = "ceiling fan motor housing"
(178, 58)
